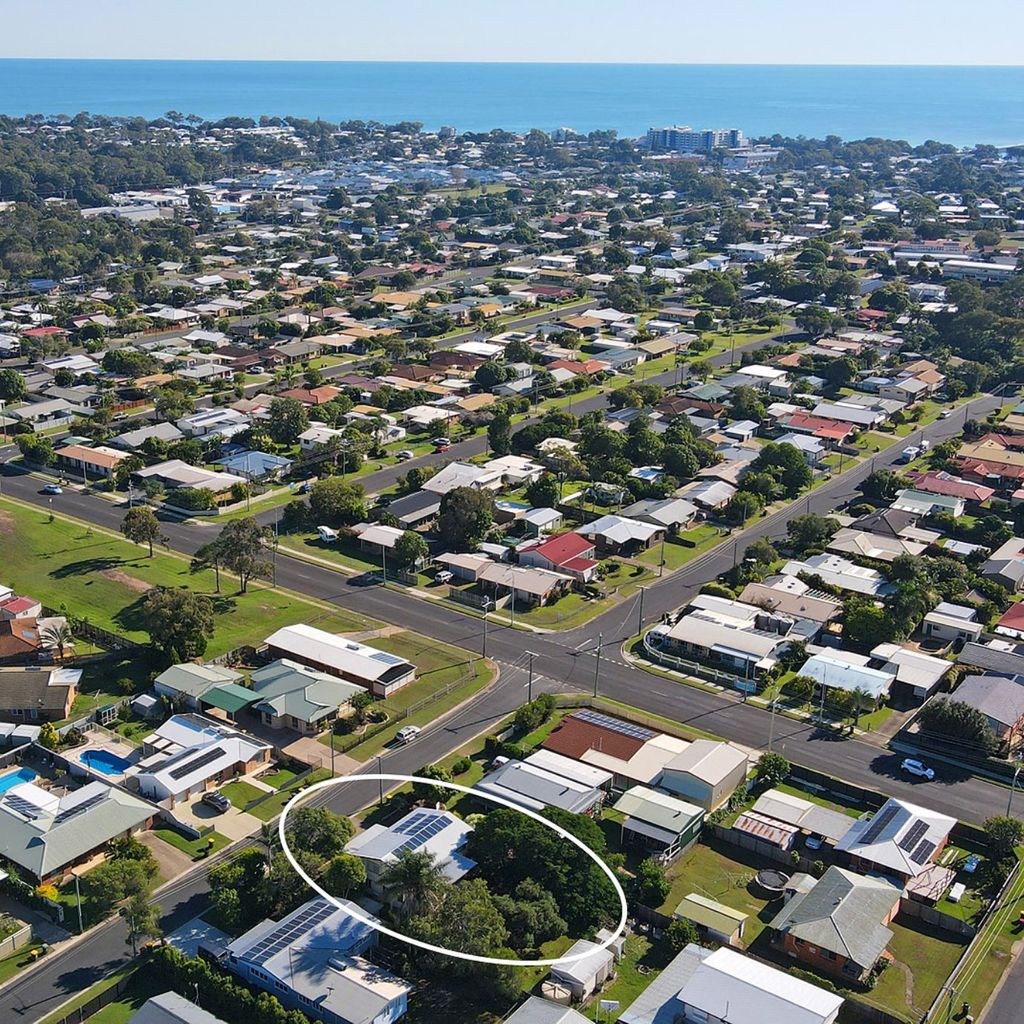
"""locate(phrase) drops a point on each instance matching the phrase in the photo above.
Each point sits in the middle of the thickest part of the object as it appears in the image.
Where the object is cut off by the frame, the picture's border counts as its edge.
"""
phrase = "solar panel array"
(923, 852)
(637, 732)
(388, 659)
(23, 806)
(282, 937)
(913, 835)
(78, 808)
(879, 823)
(208, 757)
(419, 828)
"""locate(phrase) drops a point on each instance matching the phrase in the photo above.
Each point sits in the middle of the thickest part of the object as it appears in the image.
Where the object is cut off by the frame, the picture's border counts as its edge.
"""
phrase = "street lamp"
(1013, 788)
(486, 608)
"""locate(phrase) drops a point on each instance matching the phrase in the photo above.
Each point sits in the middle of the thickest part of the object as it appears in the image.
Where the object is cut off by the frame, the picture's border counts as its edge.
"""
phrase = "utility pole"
(597, 662)
(640, 613)
(380, 782)
(78, 898)
(1013, 787)
(529, 684)
(486, 606)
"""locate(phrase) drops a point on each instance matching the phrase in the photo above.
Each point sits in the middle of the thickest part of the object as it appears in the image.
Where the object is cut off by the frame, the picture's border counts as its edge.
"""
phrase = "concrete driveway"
(234, 823)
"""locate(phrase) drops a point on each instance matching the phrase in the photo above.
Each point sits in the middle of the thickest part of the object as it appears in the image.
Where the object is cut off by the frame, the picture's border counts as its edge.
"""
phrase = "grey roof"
(170, 1008)
(416, 506)
(661, 512)
(1000, 698)
(42, 832)
(1007, 661)
(439, 833)
(843, 913)
(542, 1011)
(42, 689)
(288, 688)
(658, 1003)
(195, 680)
(537, 788)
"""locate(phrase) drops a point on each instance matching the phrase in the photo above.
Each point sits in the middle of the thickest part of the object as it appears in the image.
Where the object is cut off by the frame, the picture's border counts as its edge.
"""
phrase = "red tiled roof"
(820, 426)
(559, 550)
(983, 468)
(952, 486)
(578, 564)
(574, 737)
(1013, 618)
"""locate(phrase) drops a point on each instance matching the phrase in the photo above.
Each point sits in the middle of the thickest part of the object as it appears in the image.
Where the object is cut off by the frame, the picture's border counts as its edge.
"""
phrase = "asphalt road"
(563, 662)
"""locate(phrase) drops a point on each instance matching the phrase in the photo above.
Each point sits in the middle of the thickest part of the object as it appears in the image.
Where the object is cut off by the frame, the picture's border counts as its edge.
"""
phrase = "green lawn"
(240, 792)
(195, 848)
(720, 872)
(104, 579)
(636, 970)
(17, 961)
(677, 554)
(930, 957)
(273, 805)
(279, 777)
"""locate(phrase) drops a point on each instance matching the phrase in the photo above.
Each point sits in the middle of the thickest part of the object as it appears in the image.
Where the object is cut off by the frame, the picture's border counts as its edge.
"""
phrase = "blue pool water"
(16, 778)
(104, 762)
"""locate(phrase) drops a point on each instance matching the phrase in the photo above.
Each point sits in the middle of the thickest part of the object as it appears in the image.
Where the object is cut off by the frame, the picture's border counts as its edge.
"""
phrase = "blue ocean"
(959, 105)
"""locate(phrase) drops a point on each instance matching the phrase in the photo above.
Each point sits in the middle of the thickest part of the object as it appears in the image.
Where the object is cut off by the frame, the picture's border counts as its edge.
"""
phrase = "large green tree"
(466, 516)
(178, 621)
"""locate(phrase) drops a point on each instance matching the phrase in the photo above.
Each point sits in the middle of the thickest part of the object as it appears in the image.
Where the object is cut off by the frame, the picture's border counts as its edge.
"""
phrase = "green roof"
(230, 697)
(710, 914)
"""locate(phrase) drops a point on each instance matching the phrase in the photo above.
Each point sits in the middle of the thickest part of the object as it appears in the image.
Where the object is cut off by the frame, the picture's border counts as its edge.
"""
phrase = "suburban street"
(563, 662)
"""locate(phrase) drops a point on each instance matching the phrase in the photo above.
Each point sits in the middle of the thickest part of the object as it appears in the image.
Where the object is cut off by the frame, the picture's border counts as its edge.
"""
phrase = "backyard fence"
(22, 937)
(98, 1001)
(695, 668)
(87, 631)
(293, 785)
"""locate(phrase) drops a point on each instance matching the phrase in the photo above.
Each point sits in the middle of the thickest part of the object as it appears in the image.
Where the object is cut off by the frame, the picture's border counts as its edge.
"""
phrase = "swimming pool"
(104, 762)
(16, 778)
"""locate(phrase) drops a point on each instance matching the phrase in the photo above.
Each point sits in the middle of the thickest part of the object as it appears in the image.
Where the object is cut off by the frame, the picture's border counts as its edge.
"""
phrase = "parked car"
(917, 768)
(813, 842)
(407, 733)
(405, 454)
(444, 576)
(218, 801)
(441, 442)
(53, 489)
(945, 414)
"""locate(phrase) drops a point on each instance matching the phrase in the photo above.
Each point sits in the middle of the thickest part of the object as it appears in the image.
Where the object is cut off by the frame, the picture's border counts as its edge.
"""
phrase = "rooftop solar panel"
(289, 931)
(879, 823)
(79, 808)
(208, 757)
(615, 725)
(419, 829)
(23, 806)
(388, 659)
(923, 852)
(913, 834)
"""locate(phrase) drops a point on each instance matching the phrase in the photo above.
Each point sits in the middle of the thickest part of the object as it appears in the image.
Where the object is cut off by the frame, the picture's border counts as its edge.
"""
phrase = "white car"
(918, 769)
(407, 733)
(945, 414)
(405, 454)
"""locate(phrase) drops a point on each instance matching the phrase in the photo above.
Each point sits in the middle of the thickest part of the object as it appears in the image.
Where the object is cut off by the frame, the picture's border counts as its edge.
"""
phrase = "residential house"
(1001, 700)
(288, 695)
(522, 584)
(1006, 565)
(900, 840)
(633, 754)
(952, 622)
(184, 685)
(791, 597)
(463, 474)
(941, 482)
(100, 461)
(924, 504)
(37, 694)
(672, 514)
(873, 546)
(713, 920)
(191, 756)
(313, 960)
(839, 926)
(170, 1008)
(842, 573)
(706, 773)
(661, 825)
(844, 670)
(617, 535)
(567, 553)
(531, 786)
(47, 833)
(917, 674)
(542, 1011)
(440, 834)
(378, 671)
(725, 987)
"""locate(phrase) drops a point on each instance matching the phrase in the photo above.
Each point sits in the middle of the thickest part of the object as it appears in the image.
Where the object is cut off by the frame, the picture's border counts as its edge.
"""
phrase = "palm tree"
(58, 636)
(413, 881)
(269, 840)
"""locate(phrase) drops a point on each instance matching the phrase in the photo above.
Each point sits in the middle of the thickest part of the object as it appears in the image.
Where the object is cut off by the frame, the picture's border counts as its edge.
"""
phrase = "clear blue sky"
(671, 31)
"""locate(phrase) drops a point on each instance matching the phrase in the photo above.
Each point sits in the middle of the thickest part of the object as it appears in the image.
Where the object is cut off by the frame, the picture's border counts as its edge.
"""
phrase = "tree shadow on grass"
(85, 566)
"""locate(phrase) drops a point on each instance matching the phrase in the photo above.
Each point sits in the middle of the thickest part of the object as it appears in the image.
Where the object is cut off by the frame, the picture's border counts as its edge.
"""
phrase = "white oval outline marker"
(357, 913)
